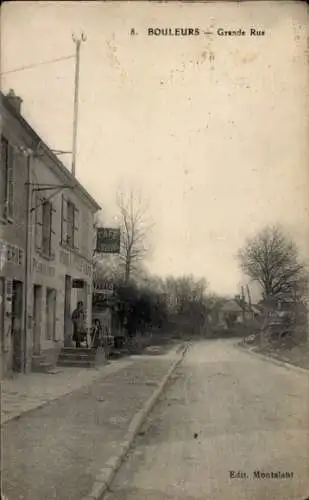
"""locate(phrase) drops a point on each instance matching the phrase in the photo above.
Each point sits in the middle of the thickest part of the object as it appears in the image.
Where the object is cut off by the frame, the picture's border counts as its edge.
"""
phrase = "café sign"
(108, 240)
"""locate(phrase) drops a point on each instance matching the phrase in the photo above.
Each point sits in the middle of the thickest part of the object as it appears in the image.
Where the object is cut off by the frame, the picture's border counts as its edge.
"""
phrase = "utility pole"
(77, 42)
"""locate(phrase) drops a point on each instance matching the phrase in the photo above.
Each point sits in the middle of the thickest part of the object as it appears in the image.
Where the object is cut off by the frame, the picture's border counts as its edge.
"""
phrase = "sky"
(211, 129)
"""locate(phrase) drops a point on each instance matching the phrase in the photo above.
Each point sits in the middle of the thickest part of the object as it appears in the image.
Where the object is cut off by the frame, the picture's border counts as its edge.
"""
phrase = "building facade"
(56, 266)
(13, 171)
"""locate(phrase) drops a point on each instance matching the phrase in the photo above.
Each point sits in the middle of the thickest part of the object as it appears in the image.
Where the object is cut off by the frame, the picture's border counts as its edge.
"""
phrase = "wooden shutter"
(53, 242)
(38, 222)
(76, 228)
(64, 219)
(10, 182)
(3, 173)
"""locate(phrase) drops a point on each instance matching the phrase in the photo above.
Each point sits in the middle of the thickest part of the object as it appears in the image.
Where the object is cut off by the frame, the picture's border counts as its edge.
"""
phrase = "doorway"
(37, 319)
(50, 314)
(16, 327)
(2, 334)
(67, 324)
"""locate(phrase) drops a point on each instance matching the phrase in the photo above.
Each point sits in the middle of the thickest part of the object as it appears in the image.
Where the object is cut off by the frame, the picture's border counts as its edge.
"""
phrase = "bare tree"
(272, 259)
(186, 301)
(184, 291)
(135, 226)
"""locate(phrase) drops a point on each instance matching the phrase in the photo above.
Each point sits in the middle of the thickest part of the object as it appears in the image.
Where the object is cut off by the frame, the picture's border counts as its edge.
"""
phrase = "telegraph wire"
(30, 66)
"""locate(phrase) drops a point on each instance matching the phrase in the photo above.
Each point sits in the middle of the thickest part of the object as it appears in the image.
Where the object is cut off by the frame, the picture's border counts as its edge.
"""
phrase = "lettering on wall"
(43, 268)
(10, 254)
(76, 262)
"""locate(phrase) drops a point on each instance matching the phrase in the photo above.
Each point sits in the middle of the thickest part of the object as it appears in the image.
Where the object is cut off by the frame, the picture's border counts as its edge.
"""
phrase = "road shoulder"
(269, 358)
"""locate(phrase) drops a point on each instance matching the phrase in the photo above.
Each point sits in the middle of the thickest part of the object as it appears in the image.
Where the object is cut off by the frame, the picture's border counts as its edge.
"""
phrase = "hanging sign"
(105, 287)
(108, 240)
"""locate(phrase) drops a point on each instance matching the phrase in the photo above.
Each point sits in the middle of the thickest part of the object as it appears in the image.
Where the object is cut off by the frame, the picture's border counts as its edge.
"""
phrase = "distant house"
(256, 310)
(231, 313)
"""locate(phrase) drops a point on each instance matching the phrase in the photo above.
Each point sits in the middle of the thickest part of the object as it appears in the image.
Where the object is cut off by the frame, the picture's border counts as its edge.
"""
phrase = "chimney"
(14, 100)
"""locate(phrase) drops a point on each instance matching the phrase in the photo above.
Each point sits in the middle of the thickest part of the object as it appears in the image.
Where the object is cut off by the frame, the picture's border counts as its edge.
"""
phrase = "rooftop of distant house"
(231, 305)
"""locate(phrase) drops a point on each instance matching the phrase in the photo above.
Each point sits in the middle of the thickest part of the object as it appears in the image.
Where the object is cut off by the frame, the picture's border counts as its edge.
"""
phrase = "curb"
(275, 361)
(104, 479)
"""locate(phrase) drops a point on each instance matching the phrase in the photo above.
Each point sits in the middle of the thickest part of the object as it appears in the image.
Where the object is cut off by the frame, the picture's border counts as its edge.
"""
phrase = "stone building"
(56, 264)
(13, 171)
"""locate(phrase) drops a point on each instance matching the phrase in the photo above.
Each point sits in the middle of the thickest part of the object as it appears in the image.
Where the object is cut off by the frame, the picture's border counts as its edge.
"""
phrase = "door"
(50, 314)
(37, 315)
(67, 311)
(16, 326)
(2, 336)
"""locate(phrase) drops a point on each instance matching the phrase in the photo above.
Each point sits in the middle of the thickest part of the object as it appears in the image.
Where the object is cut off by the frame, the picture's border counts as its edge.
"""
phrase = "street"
(225, 424)
(56, 451)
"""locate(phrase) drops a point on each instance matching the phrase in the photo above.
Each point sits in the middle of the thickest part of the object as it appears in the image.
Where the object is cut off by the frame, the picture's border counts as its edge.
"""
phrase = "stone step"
(77, 350)
(76, 363)
(38, 357)
(116, 354)
(77, 356)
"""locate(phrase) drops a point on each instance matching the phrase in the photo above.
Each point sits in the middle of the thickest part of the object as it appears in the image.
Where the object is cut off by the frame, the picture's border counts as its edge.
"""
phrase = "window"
(70, 224)
(6, 179)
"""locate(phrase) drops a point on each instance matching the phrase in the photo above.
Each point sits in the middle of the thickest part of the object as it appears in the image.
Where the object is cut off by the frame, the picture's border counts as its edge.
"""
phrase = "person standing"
(106, 340)
(78, 319)
(96, 334)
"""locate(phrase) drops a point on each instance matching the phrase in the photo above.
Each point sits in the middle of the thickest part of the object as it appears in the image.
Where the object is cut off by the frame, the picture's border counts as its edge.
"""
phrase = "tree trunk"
(127, 270)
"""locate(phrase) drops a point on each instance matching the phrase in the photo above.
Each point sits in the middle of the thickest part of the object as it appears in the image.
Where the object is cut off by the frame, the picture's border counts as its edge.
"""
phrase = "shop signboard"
(108, 240)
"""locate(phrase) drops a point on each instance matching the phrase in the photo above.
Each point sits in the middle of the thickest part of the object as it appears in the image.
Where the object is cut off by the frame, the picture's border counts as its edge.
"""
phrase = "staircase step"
(74, 356)
(37, 358)
(76, 363)
(77, 350)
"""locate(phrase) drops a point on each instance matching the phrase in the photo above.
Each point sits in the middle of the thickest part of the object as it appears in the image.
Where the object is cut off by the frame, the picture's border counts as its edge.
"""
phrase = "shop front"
(12, 339)
(76, 272)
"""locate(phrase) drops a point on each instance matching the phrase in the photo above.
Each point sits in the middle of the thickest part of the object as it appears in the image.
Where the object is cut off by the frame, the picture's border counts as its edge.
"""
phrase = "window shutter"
(76, 228)
(64, 204)
(38, 222)
(3, 173)
(83, 232)
(53, 242)
(10, 182)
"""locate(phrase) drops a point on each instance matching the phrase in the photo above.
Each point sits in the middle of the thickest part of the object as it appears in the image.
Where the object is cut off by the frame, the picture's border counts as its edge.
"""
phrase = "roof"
(57, 165)
(231, 306)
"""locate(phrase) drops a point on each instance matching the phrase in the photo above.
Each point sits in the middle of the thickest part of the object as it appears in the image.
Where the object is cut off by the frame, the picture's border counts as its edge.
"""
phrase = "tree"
(139, 308)
(183, 291)
(186, 299)
(106, 268)
(272, 259)
(135, 227)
